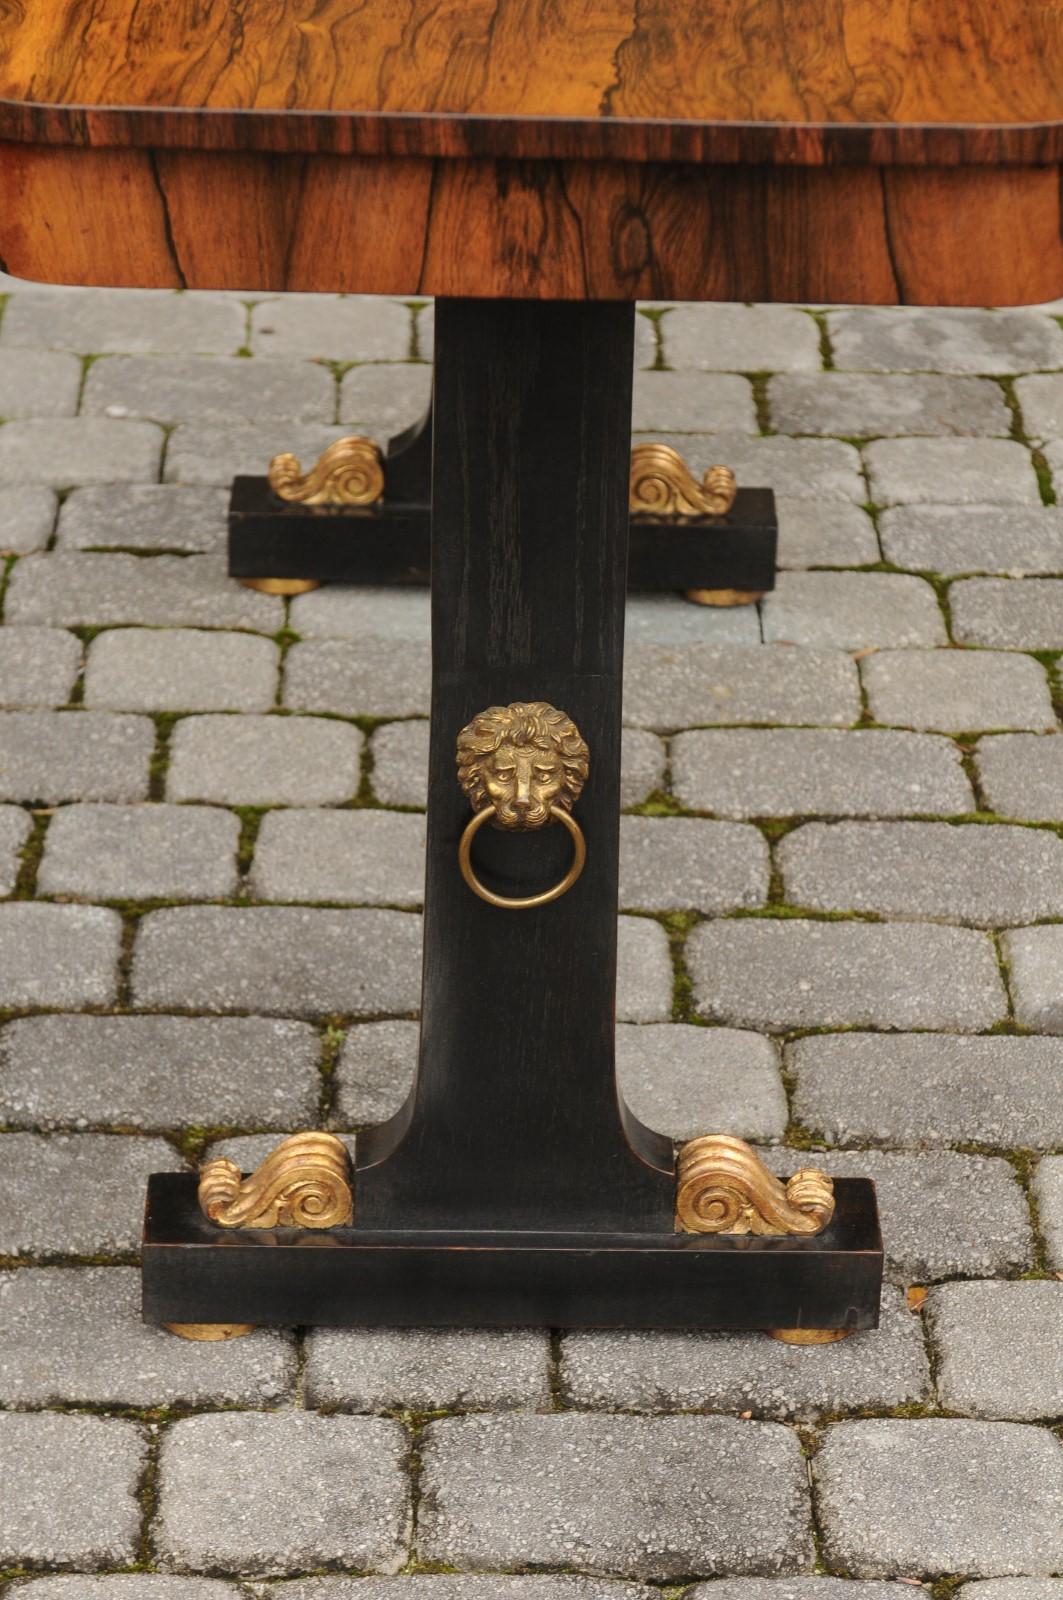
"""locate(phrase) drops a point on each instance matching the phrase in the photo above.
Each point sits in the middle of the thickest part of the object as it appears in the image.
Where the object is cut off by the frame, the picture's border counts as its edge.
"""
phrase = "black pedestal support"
(515, 1185)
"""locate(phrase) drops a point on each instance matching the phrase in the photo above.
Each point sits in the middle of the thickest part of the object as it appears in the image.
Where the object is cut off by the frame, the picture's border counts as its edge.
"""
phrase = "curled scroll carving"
(350, 473)
(662, 485)
(724, 1187)
(304, 1183)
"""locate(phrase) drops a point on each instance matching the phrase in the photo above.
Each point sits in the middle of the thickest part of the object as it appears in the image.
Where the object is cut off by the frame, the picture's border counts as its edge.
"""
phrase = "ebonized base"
(352, 1277)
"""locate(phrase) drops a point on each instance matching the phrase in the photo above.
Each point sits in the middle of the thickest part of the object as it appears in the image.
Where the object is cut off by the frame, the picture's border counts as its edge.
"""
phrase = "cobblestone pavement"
(842, 933)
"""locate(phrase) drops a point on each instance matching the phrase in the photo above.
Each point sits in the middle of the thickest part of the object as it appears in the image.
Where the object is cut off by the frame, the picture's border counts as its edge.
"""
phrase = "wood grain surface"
(544, 230)
(874, 151)
(810, 81)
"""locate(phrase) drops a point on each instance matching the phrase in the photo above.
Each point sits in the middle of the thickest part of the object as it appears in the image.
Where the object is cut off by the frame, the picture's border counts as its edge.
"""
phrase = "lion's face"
(522, 759)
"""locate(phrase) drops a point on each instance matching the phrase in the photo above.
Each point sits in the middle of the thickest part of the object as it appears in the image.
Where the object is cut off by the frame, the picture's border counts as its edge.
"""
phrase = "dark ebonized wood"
(351, 1277)
(391, 544)
(515, 1120)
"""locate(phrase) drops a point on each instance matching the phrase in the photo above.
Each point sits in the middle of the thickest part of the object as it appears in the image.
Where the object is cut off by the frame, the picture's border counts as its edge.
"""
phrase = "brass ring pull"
(522, 766)
(579, 856)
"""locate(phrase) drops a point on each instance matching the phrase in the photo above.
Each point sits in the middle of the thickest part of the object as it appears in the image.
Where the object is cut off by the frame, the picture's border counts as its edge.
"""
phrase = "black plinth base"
(391, 543)
(349, 1277)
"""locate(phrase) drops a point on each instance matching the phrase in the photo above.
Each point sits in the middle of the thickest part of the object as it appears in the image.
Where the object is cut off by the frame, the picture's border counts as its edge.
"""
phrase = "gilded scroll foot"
(809, 1335)
(349, 473)
(304, 1183)
(724, 1187)
(724, 597)
(209, 1332)
(662, 485)
(285, 587)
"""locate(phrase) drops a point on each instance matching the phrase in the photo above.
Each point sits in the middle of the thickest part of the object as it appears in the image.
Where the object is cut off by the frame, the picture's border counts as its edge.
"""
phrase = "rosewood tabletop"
(878, 151)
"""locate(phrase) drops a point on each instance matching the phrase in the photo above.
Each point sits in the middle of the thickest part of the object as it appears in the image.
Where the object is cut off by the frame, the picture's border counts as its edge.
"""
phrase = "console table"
(536, 169)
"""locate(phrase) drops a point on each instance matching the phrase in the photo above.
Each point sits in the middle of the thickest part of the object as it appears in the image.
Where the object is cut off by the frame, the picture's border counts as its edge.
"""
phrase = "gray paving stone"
(792, 1589)
(209, 389)
(937, 1496)
(100, 1177)
(1035, 963)
(400, 764)
(462, 1586)
(38, 666)
(27, 517)
(628, 1495)
(828, 533)
(77, 1336)
(1048, 1193)
(249, 1150)
(213, 453)
(375, 1070)
(134, 1586)
(1013, 1589)
(804, 469)
(50, 757)
(642, 763)
(930, 1227)
(357, 327)
(665, 1371)
(38, 383)
(911, 339)
(1014, 540)
(1053, 454)
(384, 399)
(159, 1072)
(777, 975)
(735, 338)
(58, 955)
(671, 619)
(854, 405)
(262, 761)
(1041, 401)
(953, 691)
(63, 451)
(852, 610)
(425, 1369)
(70, 589)
(999, 1350)
(1022, 775)
(951, 471)
(685, 1081)
(357, 612)
(180, 669)
(310, 1492)
(70, 1489)
(643, 971)
(278, 960)
(15, 827)
(929, 1089)
(686, 685)
(694, 402)
(144, 516)
(686, 864)
(373, 677)
(360, 857)
(146, 852)
(95, 321)
(990, 877)
(782, 772)
(1008, 613)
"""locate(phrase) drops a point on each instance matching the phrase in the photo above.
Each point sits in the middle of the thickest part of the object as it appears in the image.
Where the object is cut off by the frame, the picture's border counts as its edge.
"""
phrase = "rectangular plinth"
(347, 1277)
(391, 543)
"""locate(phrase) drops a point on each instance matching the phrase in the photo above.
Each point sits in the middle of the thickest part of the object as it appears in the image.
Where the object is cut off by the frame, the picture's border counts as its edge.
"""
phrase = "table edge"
(446, 135)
